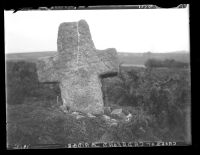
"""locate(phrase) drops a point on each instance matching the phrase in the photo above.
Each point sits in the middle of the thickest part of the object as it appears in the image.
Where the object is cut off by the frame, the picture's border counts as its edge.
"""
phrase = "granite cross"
(78, 67)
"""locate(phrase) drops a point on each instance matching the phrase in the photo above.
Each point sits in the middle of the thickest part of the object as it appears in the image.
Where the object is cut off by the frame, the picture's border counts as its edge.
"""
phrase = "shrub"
(161, 92)
(22, 82)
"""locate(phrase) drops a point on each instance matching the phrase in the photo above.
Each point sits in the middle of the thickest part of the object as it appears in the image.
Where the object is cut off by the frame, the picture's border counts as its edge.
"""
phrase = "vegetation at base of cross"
(169, 63)
(158, 99)
(161, 93)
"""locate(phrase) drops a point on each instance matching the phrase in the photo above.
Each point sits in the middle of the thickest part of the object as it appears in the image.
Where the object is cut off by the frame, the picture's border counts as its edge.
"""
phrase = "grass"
(37, 122)
(158, 108)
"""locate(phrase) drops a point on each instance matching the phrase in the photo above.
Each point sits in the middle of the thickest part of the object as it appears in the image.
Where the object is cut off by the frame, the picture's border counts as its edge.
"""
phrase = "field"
(157, 98)
(125, 58)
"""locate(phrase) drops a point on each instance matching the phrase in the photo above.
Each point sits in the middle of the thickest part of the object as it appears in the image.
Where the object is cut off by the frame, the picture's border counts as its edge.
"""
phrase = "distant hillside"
(126, 58)
(32, 56)
(141, 58)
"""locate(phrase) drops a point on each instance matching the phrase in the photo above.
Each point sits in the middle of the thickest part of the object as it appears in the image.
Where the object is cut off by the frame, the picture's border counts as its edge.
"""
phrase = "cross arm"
(45, 69)
(109, 61)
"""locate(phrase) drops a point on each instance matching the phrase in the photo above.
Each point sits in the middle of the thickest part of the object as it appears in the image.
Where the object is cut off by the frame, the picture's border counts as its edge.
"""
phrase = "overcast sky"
(127, 30)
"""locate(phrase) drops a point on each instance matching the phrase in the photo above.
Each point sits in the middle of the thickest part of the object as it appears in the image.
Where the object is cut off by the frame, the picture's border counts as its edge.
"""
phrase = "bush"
(162, 93)
(22, 82)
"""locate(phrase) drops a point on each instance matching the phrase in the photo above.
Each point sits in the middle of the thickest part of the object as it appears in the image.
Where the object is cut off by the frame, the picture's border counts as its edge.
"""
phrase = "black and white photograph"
(88, 78)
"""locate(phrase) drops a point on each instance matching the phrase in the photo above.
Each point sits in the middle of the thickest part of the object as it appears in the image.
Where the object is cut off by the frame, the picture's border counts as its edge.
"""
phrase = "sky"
(127, 30)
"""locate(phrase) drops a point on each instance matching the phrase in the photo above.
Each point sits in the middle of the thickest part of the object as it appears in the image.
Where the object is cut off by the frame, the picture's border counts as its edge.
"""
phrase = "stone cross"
(78, 67)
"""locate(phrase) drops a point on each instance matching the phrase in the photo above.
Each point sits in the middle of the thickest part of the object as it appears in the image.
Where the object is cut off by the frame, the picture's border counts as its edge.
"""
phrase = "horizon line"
(178, 51)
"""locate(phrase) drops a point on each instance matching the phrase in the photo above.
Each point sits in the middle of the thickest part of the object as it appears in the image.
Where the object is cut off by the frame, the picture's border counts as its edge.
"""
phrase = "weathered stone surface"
(116, 112)
(77, 67)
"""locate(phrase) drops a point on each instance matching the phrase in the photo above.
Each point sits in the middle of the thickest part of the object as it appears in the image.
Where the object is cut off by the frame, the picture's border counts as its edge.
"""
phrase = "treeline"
(169, 63)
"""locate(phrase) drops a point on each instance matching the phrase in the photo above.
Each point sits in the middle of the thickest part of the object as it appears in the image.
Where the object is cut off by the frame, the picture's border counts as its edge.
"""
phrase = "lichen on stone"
(78, 66)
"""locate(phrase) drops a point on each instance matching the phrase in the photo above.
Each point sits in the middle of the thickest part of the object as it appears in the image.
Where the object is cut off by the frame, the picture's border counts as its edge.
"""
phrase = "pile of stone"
(111, 117)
